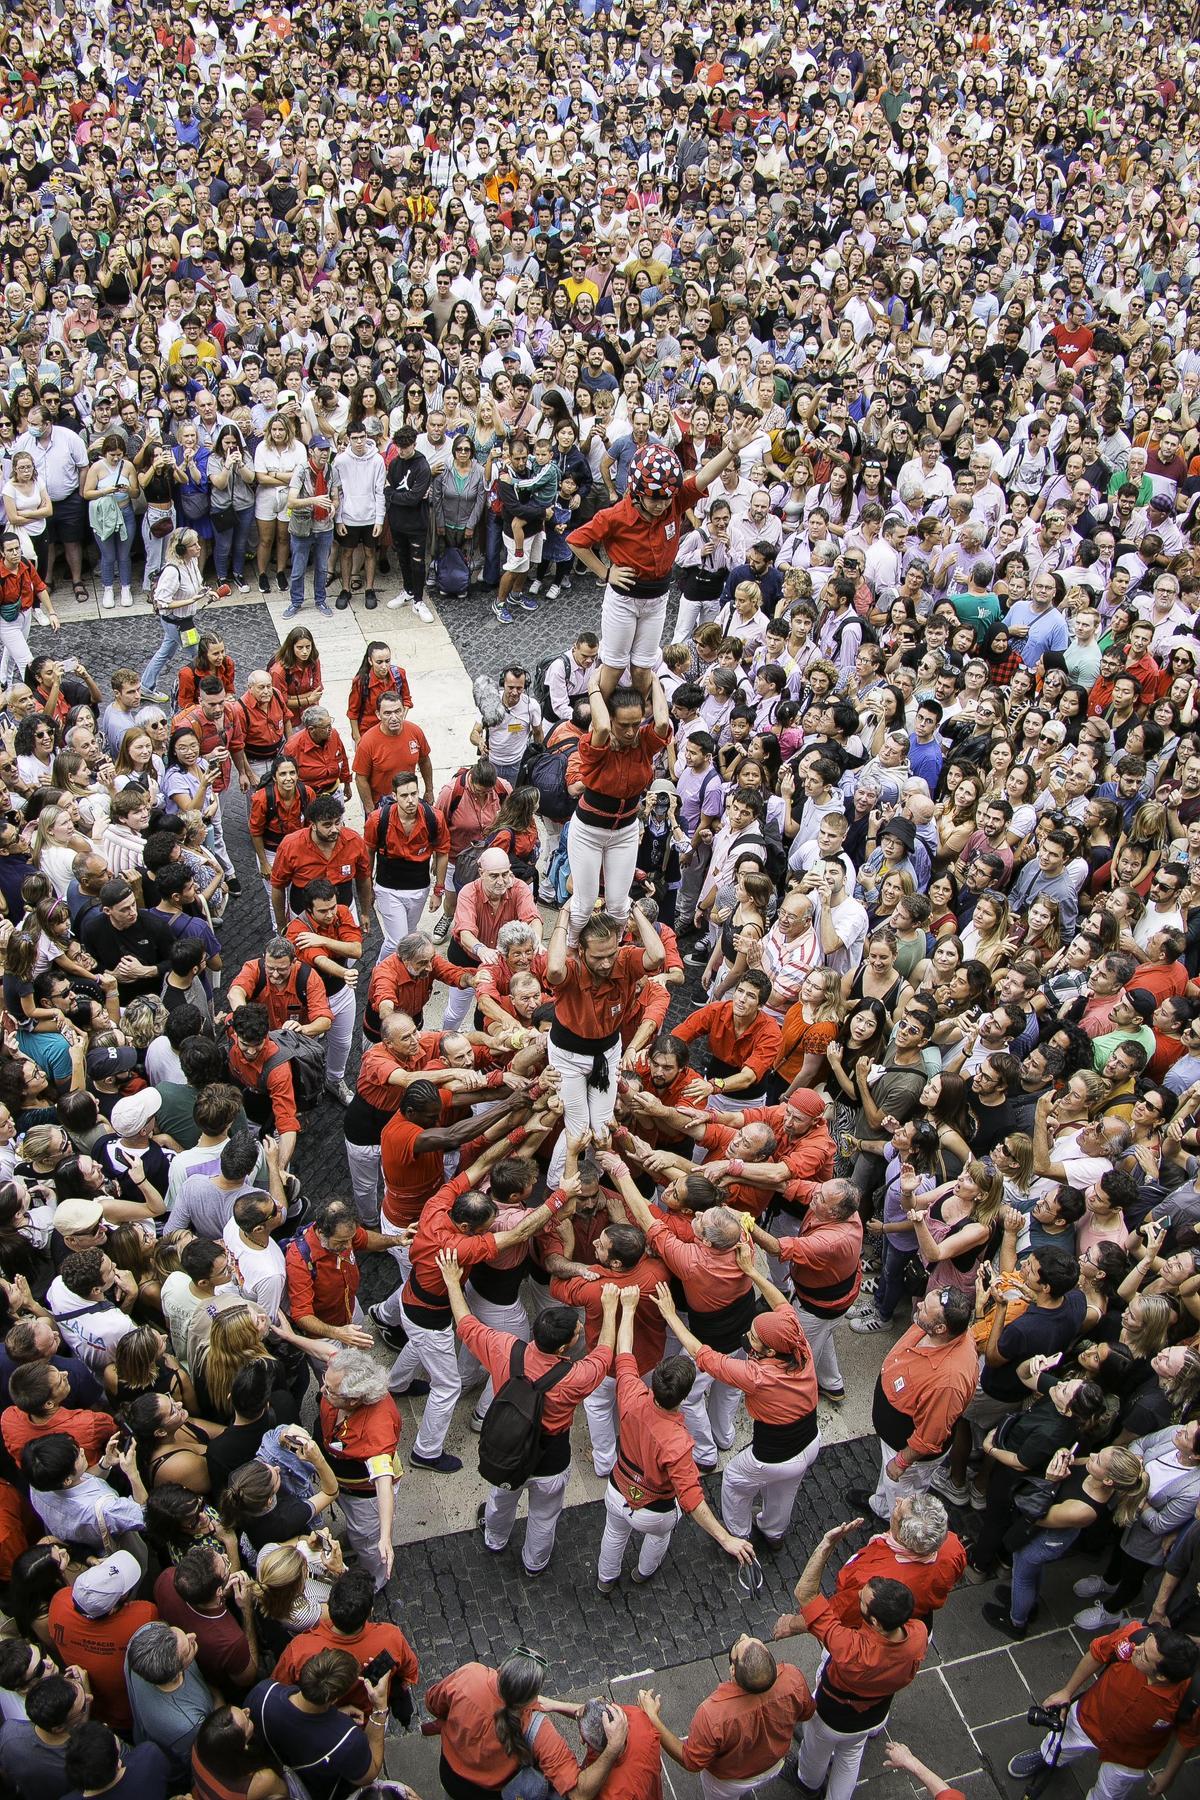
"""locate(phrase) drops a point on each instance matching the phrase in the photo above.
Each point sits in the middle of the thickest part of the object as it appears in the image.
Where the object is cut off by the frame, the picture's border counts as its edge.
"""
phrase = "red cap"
(808, 1102)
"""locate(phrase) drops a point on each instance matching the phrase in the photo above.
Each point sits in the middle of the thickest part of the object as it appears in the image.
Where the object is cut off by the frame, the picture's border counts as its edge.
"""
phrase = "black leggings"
(1130, 1576)
(410, 554)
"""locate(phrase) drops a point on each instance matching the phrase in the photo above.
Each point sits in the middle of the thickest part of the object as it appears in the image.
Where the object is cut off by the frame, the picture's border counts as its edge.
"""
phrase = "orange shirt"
(931, 1384)
(654, 1447)
(825, 1258)
(466, 1703)
(776, 1392)
(809, 1158)
(410, 1176)
(930, 1579)
(363, 1646)
(755, 1048)
(322, 766)
(863, 1667)
(649, 1326)
(301, 998)
(648, 546)
(637, 1772)
(474, 912)
(736, 1735)
(594, 1007)
(272, 824)
(345, 928)
(711, 1278)
(393, 980)
(381, 755)
(98, 1646)
(1127, 1718)
(264, 725)
(299, 861)
(90, 1430)
(281, 1089)
(494, 1350)
(614, 780)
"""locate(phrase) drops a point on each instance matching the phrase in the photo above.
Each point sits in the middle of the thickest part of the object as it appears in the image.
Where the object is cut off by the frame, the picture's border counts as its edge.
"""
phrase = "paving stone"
(987, 1688)
(926, 1717)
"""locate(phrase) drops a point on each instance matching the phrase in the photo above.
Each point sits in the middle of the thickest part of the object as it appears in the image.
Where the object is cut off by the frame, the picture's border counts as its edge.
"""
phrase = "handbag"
(1030, 1501)
(914, 1276)
(163, 527)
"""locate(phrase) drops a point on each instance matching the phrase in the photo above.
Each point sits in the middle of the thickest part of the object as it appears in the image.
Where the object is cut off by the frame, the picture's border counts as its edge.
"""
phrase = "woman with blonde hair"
(959, 1225)
(292, 1582)
(276, 460)
(986, 937)
(176, 599)
(1109, 1483)
(236, 1339)
(810, 1025)
(56, 843)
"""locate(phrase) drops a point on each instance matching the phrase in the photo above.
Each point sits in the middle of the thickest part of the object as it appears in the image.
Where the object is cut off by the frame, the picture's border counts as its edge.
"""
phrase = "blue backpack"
(452, 572)
(558, 874)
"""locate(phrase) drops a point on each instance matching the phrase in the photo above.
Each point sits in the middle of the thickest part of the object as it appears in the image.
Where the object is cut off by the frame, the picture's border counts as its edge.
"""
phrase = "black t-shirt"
(236, 1445)
(1035, 1435)
(1038, 1332)
(149, 939)
(288, 1518)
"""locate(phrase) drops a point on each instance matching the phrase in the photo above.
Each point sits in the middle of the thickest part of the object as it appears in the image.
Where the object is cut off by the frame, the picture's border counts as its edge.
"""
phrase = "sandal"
(81, 592)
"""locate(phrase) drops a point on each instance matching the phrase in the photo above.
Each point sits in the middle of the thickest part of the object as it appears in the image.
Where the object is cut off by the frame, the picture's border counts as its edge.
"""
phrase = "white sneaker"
(553, 591)
(106, 598)
(401, 599)
(423, 613)
(1093, 1587)
(535, 586)
(126, 597)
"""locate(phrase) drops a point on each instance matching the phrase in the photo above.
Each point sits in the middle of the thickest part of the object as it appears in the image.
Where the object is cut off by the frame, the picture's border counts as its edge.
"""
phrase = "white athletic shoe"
(423, 613)
(401, 599)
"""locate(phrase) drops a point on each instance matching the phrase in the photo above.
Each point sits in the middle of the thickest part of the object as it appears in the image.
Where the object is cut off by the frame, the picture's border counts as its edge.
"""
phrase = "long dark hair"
(520, 1679)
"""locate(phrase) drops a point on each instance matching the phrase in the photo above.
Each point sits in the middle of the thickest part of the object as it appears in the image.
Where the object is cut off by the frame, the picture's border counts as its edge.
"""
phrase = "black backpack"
(510, 1443)
(307, 1058)
(541, 689)
(466, 865)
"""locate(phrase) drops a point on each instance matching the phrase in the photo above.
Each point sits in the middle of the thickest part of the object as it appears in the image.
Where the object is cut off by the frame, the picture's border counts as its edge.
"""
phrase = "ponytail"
(520, 1679)
(1131, 1482)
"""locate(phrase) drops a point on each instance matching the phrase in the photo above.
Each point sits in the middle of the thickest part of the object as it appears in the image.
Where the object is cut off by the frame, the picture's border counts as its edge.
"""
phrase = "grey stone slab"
(926, 1717)
(998, 1742)
(987, 1688)
(1045, 1661)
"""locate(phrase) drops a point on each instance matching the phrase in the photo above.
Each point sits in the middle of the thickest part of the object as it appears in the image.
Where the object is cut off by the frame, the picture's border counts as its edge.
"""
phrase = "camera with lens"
(1049, 1718)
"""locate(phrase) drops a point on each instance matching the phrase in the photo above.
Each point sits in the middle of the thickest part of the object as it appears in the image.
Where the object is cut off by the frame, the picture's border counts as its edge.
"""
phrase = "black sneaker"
(444, 1464)
(372, 599)
(233, 884)
(343, 600)
(264, 585)
(394, 1336)
(281, 580)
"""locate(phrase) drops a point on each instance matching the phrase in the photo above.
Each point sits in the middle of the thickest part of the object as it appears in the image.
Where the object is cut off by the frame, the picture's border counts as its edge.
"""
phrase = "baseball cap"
(1161, 502)
(99, 1590)
(318, 441)
(1142, 1001)
(116, 1059)
(132, 1111)
(77, 1215)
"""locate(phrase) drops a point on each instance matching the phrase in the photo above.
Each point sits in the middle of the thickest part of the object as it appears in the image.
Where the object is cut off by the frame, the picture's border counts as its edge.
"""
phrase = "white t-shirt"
(261, 1274)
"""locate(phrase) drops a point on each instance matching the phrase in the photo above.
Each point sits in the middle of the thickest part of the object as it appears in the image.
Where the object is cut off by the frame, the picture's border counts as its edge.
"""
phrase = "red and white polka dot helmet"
(655, 474)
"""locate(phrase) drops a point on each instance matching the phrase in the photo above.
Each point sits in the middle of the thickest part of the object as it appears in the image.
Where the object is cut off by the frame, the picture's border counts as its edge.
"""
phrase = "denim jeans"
(315, 548)
(493, 553)
(164, 656)
(890, 1290)
(1027, 1567)
(116, 552)
(232, 531)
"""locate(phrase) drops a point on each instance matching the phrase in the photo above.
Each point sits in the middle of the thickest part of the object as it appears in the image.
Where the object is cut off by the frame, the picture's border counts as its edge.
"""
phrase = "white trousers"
(399, 911)
(459, 1001)
(709, 1413)
(390, 1310)
(14, 638)
(1113, 1780)
(436, 1353)
(512, 1318)
(631, 630)
(361, 1513)
(593, 853)
(715, 1787)
(584, 1107)
(655, 1529)
(691, 614)
(545, 1494)
(819, 1332)
(601, 1410)
(836, 1754)
(746, 1477)
(365, 1181)
(337, 1038)
(915, 1480)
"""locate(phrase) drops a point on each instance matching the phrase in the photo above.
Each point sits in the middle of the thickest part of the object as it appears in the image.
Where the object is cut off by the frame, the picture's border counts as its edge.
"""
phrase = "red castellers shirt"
(648, 546)
(323, 1283)
(190, 677)
(930, 1579)
(1127, 1718)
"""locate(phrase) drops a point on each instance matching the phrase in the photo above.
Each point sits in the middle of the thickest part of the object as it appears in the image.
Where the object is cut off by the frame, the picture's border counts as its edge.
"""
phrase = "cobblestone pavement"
(966, 1711)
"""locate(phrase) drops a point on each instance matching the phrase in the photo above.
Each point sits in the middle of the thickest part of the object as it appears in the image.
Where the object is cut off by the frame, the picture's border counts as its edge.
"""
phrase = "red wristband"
(517, 1136)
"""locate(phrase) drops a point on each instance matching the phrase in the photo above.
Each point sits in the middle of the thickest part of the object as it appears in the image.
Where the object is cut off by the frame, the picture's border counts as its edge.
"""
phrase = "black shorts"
(68, 521)
(358, 534)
